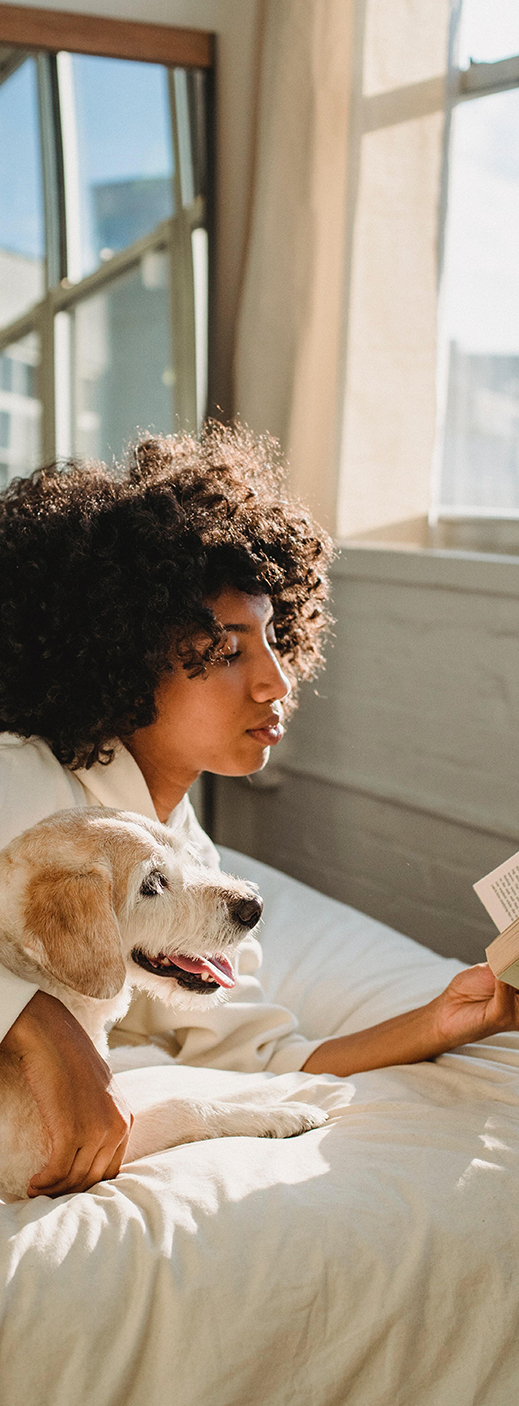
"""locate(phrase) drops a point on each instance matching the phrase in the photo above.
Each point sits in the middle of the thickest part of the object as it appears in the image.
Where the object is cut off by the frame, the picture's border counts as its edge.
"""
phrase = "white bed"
(372, 1262)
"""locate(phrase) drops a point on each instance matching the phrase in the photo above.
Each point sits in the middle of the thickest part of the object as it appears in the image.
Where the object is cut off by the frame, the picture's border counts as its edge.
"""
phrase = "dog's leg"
(164, 1119)
(179, 1120)
(25, 1145)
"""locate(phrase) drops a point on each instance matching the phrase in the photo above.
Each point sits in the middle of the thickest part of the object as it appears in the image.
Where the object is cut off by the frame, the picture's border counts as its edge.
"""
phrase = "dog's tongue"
(219, 968)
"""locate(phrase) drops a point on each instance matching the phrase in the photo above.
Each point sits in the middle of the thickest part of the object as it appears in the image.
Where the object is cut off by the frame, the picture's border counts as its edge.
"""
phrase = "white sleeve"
(32, 785)
(15, 995)
(246, 1032)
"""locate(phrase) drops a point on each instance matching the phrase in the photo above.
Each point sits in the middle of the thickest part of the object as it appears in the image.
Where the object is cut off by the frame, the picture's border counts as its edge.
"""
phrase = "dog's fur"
(85, 897)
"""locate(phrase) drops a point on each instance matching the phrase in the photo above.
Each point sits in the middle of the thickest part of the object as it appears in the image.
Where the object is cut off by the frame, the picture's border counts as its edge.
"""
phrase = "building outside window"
(103, 254)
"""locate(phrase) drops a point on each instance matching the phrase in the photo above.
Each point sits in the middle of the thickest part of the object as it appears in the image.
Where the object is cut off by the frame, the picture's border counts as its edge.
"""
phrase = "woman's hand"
(475, 1004)
(85, 1114)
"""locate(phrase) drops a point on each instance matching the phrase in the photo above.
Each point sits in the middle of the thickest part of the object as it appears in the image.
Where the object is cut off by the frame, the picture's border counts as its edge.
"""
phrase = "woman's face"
(226, 721)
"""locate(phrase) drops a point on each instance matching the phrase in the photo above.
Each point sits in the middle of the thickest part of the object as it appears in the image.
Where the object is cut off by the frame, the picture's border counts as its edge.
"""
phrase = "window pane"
(20, 409)
(481, 309)
(21, 207)
(488, 31)
(121, 354)
(118, 154)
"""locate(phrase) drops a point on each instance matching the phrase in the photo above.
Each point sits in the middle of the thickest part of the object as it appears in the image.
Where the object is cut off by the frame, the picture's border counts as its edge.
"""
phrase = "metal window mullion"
(52, 167)
(66, 295)
(55, 241)
(182, 295)
(483, 79)
(12, 60)
(47, 381)
(182, 292)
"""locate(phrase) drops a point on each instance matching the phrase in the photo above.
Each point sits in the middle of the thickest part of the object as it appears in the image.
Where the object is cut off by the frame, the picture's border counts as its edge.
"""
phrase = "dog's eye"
(153, 884)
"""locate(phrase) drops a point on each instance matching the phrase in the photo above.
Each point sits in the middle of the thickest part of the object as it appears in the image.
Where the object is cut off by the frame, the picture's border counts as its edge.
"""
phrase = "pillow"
(335, 968)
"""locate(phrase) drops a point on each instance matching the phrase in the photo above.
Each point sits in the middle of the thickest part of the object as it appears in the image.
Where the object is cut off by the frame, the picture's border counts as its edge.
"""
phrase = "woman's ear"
(72, 930)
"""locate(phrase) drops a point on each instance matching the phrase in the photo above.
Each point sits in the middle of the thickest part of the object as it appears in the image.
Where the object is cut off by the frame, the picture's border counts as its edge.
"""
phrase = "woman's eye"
(228, 658)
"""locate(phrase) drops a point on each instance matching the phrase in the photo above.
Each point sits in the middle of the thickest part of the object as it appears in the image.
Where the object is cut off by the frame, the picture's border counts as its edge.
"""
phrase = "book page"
(499, 892)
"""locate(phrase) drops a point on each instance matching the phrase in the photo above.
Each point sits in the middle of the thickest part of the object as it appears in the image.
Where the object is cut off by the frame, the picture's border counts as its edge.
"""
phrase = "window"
(103, 253)
(478, 471)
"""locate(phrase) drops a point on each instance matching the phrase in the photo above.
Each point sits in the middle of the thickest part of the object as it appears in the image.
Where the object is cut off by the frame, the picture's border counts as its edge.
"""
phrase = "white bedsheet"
(372, 1262)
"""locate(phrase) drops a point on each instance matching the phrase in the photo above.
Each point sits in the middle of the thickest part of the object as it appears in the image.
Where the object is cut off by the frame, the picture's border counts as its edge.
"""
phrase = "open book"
(499, 894)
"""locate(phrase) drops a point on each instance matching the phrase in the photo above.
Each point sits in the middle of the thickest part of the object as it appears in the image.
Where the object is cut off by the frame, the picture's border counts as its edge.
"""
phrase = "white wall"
(235, 22)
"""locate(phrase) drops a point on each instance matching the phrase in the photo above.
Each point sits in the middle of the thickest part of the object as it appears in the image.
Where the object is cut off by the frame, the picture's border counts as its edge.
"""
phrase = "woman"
(155, 621)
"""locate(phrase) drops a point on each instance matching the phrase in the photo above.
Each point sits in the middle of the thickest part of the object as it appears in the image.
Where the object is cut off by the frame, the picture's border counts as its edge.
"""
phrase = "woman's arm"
(85, 1114)
(475, 1005)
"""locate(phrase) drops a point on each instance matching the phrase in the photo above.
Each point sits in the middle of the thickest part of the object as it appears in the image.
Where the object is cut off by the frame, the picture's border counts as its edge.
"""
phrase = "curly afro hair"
(105, 575)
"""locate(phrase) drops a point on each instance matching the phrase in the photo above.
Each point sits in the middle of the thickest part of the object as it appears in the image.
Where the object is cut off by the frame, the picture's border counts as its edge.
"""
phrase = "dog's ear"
(72, 929)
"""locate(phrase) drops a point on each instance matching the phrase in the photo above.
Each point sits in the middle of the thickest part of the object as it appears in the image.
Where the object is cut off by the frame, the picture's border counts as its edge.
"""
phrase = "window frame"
(23, 26)
(42, 35)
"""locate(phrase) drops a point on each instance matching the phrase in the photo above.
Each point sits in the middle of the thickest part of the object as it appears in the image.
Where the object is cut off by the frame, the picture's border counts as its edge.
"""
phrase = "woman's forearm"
(473, 1006)
(402, 1040)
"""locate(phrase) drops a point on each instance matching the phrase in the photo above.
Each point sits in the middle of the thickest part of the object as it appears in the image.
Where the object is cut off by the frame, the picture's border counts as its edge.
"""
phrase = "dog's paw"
(267, 1120)
(272, 1120)
(290, 1119)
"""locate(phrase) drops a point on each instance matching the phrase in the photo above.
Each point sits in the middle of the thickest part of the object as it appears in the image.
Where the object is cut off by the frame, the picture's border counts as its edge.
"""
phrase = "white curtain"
(290, 319)
(336, 335)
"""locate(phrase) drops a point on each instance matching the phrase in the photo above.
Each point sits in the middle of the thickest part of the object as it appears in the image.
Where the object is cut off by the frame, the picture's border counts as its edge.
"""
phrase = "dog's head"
(96, 898)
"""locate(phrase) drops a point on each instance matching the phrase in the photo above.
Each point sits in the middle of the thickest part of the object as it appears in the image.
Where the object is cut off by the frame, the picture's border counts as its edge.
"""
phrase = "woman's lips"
(269, 734)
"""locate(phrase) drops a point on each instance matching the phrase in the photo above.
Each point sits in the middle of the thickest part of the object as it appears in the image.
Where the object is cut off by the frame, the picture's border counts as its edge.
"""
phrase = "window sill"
(469, 555)
(486, 536)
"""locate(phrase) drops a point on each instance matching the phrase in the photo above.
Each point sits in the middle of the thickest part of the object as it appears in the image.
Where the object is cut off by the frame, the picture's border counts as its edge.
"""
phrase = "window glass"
(21, 207)
(118, 154)
(481, 309)
(122, 361)
(110, 130)
(488, 31)
(20, 409)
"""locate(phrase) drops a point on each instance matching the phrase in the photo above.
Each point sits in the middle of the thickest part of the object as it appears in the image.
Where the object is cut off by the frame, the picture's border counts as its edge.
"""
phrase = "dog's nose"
(246, 911)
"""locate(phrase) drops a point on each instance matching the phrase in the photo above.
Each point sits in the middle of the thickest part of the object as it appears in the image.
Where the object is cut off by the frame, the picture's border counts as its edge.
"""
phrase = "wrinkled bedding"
(371, 1262)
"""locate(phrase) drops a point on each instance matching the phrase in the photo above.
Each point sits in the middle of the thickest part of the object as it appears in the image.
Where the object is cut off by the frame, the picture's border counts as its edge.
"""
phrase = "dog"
(95, 902)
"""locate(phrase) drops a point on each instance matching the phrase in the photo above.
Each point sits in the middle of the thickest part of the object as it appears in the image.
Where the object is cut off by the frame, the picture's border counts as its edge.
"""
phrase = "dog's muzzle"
(203, 974)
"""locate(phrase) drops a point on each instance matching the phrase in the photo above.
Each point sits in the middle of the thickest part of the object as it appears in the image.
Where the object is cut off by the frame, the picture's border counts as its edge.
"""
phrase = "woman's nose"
(271, 684)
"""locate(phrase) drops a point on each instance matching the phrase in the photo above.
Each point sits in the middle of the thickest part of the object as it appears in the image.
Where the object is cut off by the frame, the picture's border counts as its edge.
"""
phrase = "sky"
(21, 209)
(489, 30)
(122, 128)
(123, 122)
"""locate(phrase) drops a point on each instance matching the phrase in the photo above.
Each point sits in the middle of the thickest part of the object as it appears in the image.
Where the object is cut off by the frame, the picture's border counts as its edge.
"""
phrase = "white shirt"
(247, 1033)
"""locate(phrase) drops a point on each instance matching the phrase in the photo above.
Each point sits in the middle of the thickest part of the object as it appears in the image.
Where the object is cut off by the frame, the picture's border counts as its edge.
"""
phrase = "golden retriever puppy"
(92, 903)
